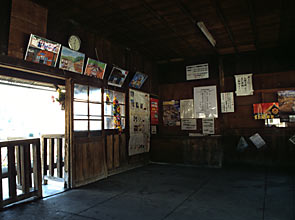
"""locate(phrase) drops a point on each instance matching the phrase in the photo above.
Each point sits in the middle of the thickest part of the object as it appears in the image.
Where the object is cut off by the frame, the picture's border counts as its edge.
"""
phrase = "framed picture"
(71, 60)
(95, 68)
(138, 80)
(117, 77)
(43, 51)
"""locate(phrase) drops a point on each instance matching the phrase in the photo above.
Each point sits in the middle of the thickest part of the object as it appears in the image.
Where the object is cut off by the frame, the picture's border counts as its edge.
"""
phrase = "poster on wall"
(244, 86)
(154, 103)
(41, 50)
(266, 110)
(189, 124)
(138, 80)
(139, 122)
(187, 108)
(171, 116)
(200, 71)
(205, 102)
(227, 102)
(71, 60)
(117, 77)
(95, 68)
(286, 101)
(208, 126)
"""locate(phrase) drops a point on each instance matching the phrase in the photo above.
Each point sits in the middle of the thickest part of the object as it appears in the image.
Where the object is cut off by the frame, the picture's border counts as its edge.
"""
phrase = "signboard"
(244, 85)
(154, 103)
(266, 110)
(200, 71)
(208, 126)
(205, 102)
(227, 102)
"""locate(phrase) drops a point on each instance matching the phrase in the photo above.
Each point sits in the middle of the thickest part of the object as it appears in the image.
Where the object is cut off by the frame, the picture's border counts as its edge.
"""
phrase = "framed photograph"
(138, 80)
(71, 60)
(43, 51)
(95, 68)
(117, 77)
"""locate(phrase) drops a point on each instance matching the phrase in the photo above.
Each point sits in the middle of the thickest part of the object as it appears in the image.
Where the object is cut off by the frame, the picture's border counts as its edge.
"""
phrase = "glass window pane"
(80, 92)
(95, 125)
(120, 97)
(94, 109)
(108, 109)
(110, 95)
(80, 125)
(108, 122)
(94, 94)
(122, 110)
(123, 122)
(80, 108)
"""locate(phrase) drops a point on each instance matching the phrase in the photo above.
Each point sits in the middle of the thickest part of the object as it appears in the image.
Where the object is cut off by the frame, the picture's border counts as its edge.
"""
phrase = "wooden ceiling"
(166, 29)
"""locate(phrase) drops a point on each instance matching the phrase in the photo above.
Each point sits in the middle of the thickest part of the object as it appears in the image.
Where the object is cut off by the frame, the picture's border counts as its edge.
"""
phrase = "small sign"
(208, 125)
(200, 71)
(257, 140)
(153, 129)
(244, 85)
(188, 124)
(227, 102)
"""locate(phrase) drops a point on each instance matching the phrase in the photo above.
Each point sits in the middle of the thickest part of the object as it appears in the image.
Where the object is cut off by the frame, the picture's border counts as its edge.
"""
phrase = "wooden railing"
(23, 158)
(52, 147)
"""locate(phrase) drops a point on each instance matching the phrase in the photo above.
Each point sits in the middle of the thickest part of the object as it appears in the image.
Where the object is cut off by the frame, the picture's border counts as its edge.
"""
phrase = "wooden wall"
(26, 18)
(5, 10)
(279, 152)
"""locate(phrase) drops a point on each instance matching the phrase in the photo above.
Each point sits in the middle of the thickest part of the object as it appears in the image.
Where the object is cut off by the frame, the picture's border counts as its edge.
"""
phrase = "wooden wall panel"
(26, 18)
(116, 151)
(90, 163)
(123, 150)
(110, 152)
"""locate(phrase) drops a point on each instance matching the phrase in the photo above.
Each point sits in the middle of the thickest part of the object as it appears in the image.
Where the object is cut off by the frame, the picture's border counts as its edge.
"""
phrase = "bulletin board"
(139, 122)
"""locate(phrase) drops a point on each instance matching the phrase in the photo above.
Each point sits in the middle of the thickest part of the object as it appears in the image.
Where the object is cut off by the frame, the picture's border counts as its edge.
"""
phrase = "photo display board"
(205, 102)
(139, 122)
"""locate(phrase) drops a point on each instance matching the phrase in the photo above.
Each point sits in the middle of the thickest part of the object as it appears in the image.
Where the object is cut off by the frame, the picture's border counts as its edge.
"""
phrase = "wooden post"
(24, 168)
(44, 156)
(59, 157)
(51, 156)
(18, 165)
(37, 169)
(11, 171)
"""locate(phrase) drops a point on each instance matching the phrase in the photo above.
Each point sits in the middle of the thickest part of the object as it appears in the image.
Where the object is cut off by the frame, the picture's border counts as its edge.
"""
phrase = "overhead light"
(205, 31)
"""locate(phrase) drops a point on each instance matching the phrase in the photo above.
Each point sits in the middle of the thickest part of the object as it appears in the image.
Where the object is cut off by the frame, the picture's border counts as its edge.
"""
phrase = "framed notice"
(200, 71)
(244, 85)
(227, 102)
(189, 124)
(205, 102)
(208, 126)
(187, 108)
(43, 51)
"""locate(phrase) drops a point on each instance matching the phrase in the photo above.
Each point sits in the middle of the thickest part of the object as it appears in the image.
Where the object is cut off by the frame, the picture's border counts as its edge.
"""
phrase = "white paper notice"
(257, 140)
(244, 85)
(208, 125)
(227, 102)
(189, 124)
(200, 71)
(187, 108)
(205, 102)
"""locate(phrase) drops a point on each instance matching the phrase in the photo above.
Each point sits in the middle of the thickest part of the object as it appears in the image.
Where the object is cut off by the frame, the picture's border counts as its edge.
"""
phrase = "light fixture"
(205, 31)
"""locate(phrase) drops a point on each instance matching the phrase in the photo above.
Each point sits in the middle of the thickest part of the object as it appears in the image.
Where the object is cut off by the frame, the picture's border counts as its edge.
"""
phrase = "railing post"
(1, 191)
(25, 168)
(51, 156)
(37, 168)
(18, 165)
(59, 157)
(44, 156)
(11, 171)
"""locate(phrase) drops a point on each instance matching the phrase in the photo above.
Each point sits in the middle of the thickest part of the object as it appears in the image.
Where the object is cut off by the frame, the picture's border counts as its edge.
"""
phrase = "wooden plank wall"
(241, 123)
(26, 18)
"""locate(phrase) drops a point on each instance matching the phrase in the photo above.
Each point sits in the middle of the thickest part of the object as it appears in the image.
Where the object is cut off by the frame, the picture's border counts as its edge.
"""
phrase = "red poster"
(154, 111)
(266, 110)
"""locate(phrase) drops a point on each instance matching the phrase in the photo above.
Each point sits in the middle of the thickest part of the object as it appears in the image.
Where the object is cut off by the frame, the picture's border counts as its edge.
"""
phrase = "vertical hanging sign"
(154, 111)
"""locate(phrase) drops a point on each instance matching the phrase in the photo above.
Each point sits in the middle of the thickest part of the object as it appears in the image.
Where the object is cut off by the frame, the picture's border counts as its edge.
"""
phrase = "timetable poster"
(200, 71)
(205, 102)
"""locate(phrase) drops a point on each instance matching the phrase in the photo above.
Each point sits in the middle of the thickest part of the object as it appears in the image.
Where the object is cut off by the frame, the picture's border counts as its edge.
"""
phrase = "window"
(87, 108)
(108, 108)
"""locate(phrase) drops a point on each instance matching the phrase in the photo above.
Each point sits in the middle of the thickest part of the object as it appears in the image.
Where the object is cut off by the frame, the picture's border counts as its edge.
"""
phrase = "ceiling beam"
(225, 23)
(253, 22)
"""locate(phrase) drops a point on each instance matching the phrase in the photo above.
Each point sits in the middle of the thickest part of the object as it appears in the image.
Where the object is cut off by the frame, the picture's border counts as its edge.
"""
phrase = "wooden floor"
(172, 192)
